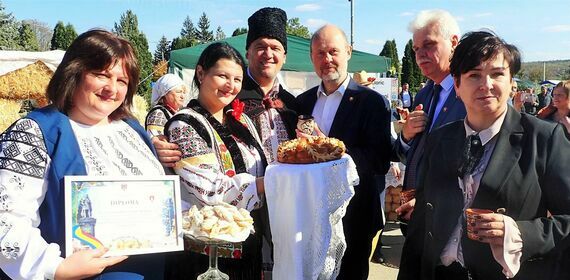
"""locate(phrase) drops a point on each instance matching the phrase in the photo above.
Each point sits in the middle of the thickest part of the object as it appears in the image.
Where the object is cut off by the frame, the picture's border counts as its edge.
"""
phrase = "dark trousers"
(358, 247)
(454, 271)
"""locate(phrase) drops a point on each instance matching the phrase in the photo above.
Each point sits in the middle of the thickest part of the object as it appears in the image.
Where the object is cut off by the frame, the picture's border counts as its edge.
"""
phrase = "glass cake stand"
(213, 273)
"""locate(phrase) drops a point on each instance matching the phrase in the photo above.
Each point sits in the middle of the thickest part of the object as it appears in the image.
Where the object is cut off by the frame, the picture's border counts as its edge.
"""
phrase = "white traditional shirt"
(270, 126)
(509, 253)
(114, 149)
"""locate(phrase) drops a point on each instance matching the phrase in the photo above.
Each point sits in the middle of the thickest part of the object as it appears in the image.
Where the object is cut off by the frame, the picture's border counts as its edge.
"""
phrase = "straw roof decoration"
(139, 108)
(27, 83)
(10, 112)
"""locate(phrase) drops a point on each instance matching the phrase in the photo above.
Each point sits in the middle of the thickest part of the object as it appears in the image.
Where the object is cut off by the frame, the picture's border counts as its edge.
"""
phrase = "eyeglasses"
(559, 95)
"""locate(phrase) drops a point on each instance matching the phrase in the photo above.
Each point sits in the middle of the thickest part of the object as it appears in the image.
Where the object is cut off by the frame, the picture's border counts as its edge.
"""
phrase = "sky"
(541, 29)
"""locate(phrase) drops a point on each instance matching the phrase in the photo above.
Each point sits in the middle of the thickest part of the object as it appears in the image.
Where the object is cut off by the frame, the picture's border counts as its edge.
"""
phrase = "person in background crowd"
(559, 109)
(530, 101)
(435, 36)
(222, 161)
(87, 130)
(360, 117)
(168, 95)
(544, 98)
(495, 159)
(406, 97)
(514, 91)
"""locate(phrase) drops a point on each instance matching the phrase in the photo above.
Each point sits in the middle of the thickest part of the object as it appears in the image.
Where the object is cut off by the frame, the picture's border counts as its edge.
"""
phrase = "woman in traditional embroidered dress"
(222, 159)
(87, 130)
(168, 95)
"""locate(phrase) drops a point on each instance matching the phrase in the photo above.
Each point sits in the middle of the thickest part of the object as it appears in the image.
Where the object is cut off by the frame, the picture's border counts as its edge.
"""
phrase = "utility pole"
(544, 71)
(351, 22)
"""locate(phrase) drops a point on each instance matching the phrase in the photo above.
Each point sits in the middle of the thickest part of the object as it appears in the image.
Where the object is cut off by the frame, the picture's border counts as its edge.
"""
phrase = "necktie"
(472, 153)
(433, 105)
(414, 160)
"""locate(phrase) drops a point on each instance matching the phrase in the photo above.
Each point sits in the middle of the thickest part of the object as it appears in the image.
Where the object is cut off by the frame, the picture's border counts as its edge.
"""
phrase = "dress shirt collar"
(447, 83)
(486, 134)
(341, 89)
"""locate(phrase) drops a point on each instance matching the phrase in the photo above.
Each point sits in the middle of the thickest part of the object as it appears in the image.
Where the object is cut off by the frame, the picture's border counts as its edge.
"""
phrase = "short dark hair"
(214, 52)
(93, 50)
(480, 46)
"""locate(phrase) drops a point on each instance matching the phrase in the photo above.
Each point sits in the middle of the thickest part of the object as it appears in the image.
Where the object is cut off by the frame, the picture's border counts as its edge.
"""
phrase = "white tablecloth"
(306, 204)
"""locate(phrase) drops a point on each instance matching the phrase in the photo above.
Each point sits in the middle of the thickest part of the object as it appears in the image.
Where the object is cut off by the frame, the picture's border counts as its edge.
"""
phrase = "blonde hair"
(564, 86)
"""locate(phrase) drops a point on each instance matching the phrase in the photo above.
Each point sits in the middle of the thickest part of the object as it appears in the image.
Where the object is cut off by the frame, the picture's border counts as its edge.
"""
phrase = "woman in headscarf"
(168, 95)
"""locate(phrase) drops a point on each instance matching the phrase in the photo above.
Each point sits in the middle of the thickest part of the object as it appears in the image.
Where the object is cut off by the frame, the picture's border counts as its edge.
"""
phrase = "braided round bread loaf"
(311, 150)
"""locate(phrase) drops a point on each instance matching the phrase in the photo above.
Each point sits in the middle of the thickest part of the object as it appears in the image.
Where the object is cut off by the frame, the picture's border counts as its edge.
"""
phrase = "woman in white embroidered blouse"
(222, 158)
(87, 130)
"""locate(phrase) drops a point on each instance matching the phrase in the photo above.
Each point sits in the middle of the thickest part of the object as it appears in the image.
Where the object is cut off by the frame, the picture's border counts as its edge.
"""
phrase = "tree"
(411, 72)
(204, 34)
(220, 35)
(162, 51)
(70, 33)
(128, 29)
(62, 36)
(239, 31)
(407, 67)
(43, 33)
(58, 40)
(28, 40)
(389, 50)
(396, 60)
(294, 27)
(180, 43)
(8, 30)
(188, 30)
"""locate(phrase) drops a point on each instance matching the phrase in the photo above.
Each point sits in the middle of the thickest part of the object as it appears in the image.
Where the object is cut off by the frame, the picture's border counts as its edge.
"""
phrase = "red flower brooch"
(237, 109)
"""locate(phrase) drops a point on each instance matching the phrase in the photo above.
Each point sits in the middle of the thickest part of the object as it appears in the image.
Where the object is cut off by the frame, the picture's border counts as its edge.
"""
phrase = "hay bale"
(10, 112)
(29, 82)
(139, 109)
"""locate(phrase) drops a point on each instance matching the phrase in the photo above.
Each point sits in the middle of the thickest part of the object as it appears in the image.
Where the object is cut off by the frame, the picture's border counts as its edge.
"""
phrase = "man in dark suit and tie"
(435, 36)
(360, 117)
(513, 165)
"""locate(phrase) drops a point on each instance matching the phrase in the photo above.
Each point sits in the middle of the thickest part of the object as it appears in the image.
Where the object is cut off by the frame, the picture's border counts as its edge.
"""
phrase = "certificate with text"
(130, 215)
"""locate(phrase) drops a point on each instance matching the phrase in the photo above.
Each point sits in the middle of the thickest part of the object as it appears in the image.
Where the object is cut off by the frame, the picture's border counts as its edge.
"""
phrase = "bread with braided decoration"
(310, 150)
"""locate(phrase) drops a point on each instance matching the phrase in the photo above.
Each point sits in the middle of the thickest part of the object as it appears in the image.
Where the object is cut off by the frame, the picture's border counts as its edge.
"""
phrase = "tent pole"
(351, 22)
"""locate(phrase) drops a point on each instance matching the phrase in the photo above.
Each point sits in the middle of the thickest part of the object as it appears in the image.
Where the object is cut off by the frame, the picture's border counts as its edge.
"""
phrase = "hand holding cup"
(485, 226)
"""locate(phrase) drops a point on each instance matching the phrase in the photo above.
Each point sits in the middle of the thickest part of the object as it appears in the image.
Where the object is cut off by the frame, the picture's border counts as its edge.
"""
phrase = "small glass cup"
(473, 216)
(306, 124)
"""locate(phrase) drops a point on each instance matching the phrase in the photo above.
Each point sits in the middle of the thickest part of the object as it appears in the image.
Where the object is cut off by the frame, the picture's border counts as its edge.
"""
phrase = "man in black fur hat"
(267, 103)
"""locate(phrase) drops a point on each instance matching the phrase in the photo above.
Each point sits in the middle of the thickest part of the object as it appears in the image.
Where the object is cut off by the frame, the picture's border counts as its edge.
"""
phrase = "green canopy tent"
(298, 58)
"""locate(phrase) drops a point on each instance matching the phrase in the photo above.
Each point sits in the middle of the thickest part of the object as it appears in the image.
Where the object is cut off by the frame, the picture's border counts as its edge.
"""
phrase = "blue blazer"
(452, 110)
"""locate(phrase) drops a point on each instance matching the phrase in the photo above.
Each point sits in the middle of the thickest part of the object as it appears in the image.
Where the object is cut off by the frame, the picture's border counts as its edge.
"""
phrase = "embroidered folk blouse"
(206, 169)
(114, 149)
